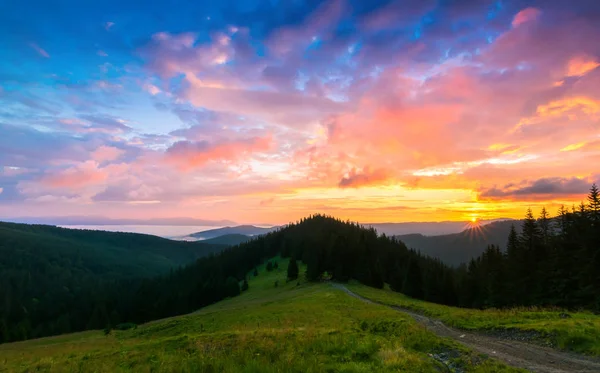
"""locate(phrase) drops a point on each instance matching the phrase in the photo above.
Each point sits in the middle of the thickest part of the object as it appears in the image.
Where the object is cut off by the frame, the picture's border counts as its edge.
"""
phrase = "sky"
(268, 111)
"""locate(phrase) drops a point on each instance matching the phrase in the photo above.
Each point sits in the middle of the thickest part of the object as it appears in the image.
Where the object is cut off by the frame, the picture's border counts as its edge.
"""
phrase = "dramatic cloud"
(555, 186)
(373, 111)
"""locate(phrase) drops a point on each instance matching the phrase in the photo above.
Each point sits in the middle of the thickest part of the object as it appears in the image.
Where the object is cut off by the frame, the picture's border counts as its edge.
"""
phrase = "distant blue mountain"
(101, 220)
(227, 239)
(457, 248)
(246, 230)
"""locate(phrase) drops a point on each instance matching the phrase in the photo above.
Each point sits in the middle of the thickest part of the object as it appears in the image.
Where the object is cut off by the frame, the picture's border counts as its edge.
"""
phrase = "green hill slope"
(288, 328)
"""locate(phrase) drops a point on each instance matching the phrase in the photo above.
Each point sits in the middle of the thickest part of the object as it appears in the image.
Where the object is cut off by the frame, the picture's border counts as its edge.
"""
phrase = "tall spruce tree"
(544, 223)
(594, 203)
(514, 261)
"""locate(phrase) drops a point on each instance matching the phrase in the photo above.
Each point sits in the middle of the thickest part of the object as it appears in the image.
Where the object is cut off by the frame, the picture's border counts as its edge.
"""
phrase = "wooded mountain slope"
(45, 271)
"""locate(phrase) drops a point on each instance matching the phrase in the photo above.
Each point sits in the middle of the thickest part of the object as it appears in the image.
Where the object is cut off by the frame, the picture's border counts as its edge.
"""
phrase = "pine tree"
(544, 223)
(513, 243)
(594, 203)
(531, 243)
(514, 261)
(292, 270)
(563, 220)
(493, 265)
(530, 236)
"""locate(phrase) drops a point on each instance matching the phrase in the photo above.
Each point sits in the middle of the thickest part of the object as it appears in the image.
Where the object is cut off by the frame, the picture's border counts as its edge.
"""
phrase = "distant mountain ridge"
(424, 228)
(457, 248)
(101, 220)
(228, 239)
(246, 230)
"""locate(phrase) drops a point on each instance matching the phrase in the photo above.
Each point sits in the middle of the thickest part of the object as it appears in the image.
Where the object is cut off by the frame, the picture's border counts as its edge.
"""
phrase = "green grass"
(289, 328)
(579, 333)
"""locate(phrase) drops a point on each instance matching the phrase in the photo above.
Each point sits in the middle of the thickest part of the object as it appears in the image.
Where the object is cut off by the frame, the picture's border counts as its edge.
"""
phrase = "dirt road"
(517, 354)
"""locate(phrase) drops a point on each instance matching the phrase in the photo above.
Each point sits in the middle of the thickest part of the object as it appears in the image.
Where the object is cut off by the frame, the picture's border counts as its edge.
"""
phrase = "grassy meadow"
(294, 327)
(579, 331)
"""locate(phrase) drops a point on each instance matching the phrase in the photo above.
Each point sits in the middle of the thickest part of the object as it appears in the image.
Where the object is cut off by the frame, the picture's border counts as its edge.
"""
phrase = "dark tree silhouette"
(292, 270)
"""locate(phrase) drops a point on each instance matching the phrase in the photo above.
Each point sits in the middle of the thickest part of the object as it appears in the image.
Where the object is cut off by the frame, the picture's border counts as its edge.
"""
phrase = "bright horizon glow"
(265, 113)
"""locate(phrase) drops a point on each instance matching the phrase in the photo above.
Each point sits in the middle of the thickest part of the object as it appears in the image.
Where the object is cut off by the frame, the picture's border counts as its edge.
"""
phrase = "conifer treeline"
(554, 261)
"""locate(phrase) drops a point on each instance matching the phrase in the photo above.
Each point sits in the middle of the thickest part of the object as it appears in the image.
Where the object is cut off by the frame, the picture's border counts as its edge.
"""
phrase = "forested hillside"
(458, 248)
(543, 265)
(47, 271)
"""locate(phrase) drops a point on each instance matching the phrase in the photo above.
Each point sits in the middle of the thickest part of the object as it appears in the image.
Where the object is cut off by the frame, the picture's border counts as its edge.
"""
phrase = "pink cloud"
(152, 89)
(40, 51)
(81, 175)
(106, 153)
(525, 16)
(189, 155)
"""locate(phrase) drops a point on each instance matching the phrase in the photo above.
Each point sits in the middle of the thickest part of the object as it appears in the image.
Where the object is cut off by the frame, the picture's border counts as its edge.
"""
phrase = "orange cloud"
(357, 178)
(583, 146)
(557, 108)
(581, 65)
